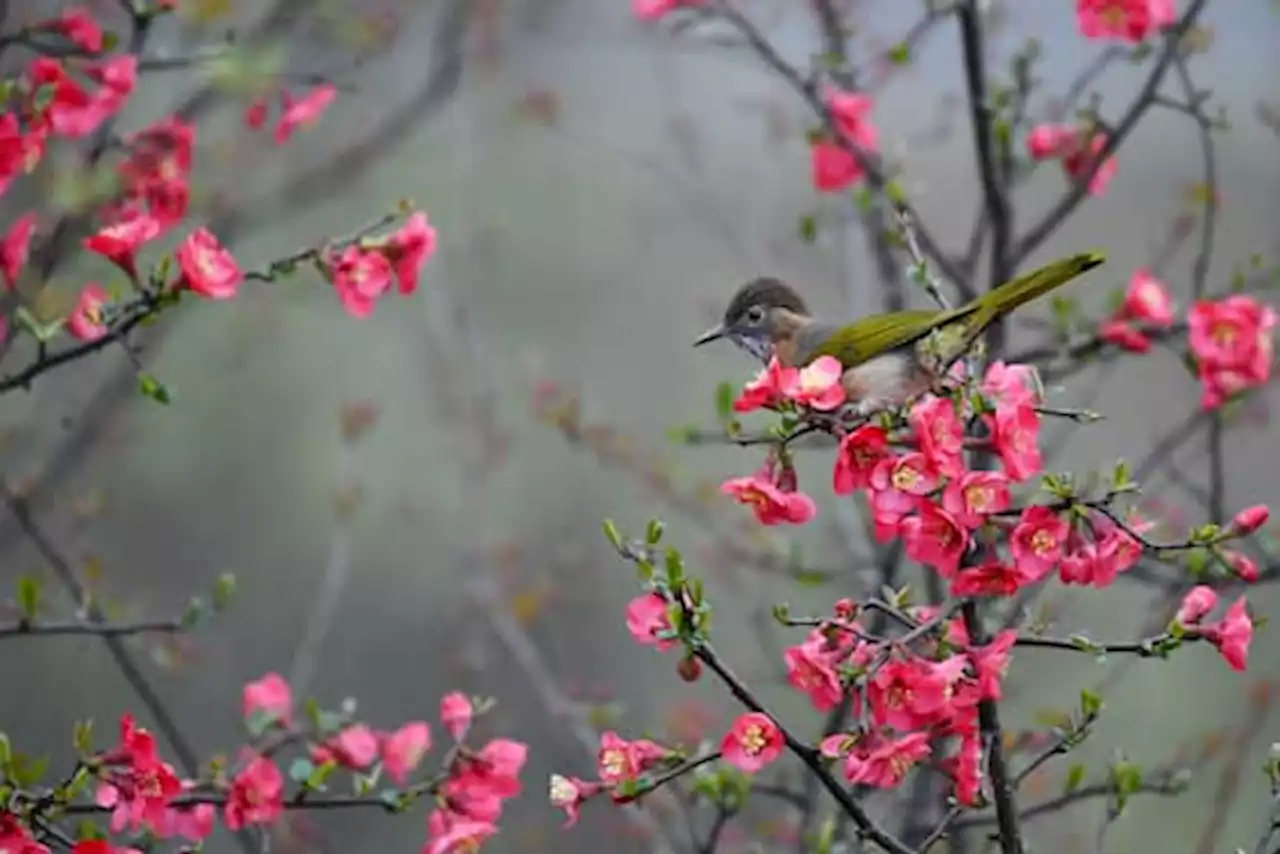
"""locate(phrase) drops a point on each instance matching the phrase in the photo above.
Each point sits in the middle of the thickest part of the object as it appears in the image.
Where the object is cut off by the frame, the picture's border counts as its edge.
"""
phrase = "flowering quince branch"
(50, 628)
(148, 195)
(940, 477)
(98, 322)
(855, 149)
(1097, 164)
(147, 800)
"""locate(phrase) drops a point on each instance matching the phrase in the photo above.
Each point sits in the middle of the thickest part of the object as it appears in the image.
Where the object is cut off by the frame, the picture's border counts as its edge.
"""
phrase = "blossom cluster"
(834, 166)
(75, 95)
(143, 794)
(919, 694)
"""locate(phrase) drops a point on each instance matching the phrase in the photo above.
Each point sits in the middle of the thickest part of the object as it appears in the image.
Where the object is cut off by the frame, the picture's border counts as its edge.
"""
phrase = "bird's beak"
(713, 334)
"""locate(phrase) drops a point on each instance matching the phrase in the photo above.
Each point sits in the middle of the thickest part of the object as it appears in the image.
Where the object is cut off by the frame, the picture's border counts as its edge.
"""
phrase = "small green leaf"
(682, 434)
(611, 533)
(863, 198)
(311, 708)
(197, 610)
(725, 394)
(153, 388)
(6, 751)
(1090, 703)
(1065, 310)
(782, 612)
(900, 54)
(894, 192)
(29, 596)
(33, 326)
(1075, 776)
(653, 531)
(224, 591)
(826, 836)
(675, 568)
(808, 229)
(109, 41)
(79, 783)
(87, 829)
(259, 722)
(1126, 777)
(24, 772)
(301, 770)
(1197, 560)
(1120, 476)
(82, 737)
(391, 799)
(811, 577)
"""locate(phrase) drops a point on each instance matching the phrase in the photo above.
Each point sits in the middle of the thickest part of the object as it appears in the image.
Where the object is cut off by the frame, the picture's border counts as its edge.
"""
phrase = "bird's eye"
(755, 314)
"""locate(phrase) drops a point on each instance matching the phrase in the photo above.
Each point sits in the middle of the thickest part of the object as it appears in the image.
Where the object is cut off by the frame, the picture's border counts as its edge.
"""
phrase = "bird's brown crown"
(766, 292)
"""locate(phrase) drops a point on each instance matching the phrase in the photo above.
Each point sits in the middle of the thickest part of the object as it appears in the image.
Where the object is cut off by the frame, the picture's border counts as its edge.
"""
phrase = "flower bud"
(1244, 567)
(1250, 519)
(689, 668)
(1198, 602)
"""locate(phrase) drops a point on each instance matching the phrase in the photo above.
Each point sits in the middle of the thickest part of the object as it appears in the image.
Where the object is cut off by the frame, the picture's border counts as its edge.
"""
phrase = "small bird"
(887, 358)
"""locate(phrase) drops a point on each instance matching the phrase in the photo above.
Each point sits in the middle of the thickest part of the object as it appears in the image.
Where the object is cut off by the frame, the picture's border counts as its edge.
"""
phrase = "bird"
(887, 359)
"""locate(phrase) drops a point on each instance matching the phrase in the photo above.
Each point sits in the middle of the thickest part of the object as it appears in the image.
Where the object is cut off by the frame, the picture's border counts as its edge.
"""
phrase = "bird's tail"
(1005, 298)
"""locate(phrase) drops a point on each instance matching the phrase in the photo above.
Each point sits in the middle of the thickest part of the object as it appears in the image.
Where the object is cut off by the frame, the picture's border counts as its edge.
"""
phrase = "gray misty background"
(599, 187)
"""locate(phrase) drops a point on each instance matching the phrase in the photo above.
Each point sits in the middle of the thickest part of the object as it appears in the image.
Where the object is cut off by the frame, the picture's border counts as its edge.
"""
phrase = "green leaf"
(78, 784)
(109, 41)
(28, 596)
(863, 198)
(1065, 310)
(1090, 703)
(301, 770)
(895, 192)
(782, 612)
(311, 708)
(259, 722)
(224, 591)
(653, 531)
(725, 393)
(811, 577)
(1075, 776)
(87, 829)
(1197, 560)
(153, 388)
(808, 229)
(24, 772)
(1120, 476)
(682, 434)
(32, 325)
(900, 54)
(82, 737)
(197, 610)
(675, 568)
(826, 836)
(391, 799)
(6, 751)
(612, 534)
(1127, 779)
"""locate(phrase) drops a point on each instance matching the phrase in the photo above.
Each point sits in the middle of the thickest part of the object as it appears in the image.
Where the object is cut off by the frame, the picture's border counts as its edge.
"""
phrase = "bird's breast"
(891, 377)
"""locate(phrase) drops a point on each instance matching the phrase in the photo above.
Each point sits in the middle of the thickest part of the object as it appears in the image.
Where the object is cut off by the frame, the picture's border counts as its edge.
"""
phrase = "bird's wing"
(864, 339)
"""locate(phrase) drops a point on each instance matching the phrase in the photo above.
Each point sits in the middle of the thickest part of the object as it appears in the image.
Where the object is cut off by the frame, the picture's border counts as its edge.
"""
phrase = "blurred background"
(412, 503)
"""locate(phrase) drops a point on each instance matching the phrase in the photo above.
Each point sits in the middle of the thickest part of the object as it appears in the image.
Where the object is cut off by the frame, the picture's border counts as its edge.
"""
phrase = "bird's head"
(761, 311)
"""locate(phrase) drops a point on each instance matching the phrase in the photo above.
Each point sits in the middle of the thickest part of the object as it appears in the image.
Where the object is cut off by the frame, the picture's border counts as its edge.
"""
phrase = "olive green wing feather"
(868, 337)
(872, 336)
